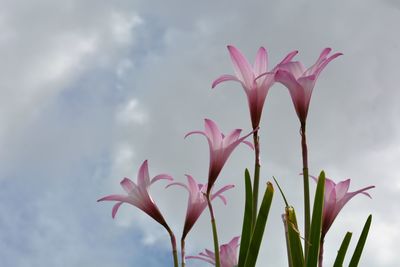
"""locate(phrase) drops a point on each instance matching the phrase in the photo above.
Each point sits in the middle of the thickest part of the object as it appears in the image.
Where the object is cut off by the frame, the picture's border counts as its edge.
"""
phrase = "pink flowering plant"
(304, 247)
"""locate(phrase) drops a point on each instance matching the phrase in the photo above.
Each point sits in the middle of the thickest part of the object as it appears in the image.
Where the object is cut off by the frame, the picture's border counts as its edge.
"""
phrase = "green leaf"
(294, 241)
(360, 244)
(280, 190)
(342, 250)
(259, 228)
(316, 223)
(247, 220)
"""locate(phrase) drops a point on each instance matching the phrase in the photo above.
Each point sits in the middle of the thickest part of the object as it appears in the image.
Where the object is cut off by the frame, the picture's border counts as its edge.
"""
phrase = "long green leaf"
(360, 244)
(342, 250)
(259, 228)
(316, 223)
(247, 220)
(295, 246)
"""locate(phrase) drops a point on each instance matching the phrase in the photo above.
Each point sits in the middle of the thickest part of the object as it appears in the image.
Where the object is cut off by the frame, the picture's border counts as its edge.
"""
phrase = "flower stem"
(257, 166)
(173, 244)
(183, 261)
(215, 234)
(306, 188)
(321, 252)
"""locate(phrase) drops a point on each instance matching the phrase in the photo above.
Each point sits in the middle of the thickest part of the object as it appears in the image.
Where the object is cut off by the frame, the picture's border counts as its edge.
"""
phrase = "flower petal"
(201, 258)
(143, 179)
(115, 209)
(341, 188)
(213, 133)
(162, 176)
(195, 132)
(219, 193)
(231, 137)
(261, 62)
(249, 144)
(323, 65)
(120, 198)
(243, 69)
(288, 57)
(128, 185)
(178, 183)
(296, 68)
(224, 78)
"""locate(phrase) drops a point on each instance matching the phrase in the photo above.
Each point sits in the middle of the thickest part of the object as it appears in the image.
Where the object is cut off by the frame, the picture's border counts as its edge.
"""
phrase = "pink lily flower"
(255, 79)
(197, 201)
(228, 254)
(221, 147)
(301, 81)
(138, 194)
(335, 197)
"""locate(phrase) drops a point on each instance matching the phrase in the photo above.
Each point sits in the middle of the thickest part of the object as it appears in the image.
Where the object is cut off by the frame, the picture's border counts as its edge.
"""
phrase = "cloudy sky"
(89, 89)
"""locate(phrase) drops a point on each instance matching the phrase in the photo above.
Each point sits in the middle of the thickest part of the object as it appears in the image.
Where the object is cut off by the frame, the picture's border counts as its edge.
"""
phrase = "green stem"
(256, 140)
(173, 244)
(183, 261)
(215, 233)
(306, 188)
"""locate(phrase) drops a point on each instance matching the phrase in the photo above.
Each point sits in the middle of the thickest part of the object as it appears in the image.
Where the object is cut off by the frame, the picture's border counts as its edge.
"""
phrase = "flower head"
(228, 254)
(335, 197)
(221, 147)
(255, 79)
(138, 194)
(197, 201)
(301, 81)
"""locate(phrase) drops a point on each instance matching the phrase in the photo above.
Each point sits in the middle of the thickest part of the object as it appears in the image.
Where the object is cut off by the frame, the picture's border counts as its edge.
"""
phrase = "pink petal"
(248, 144)
(162, 176)
(128, 185)
(224, 78)
(195, 132)
(296, 92)
(261, 62)
(321, 58)
(143, 179)
(120, 198)
(289, 57)
(213, 133)
(234, 242)
(296, 68)
(231, 137)
(341, 188)
(193, 187)
(179, 184)
(115, 209)
(323, 65)
(223, 199)
(201, 258)
(222, 190)
(243, 69)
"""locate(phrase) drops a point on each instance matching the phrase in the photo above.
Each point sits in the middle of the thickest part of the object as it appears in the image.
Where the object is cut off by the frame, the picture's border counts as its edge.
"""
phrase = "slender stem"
(215, 234)
(183, 261)
(257, 166)
(173, 244)
(321, 252)
(306, 188)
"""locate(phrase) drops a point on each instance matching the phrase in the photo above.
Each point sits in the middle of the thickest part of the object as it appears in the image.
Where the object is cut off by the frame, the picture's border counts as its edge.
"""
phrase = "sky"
(90, 89)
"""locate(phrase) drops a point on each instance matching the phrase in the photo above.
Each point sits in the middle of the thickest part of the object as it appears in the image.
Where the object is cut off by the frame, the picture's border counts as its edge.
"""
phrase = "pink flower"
(301, 81)
(197, 201)
(138, 194)
(221, 147)
(228, 254)
(335, 197)
(255, 79)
